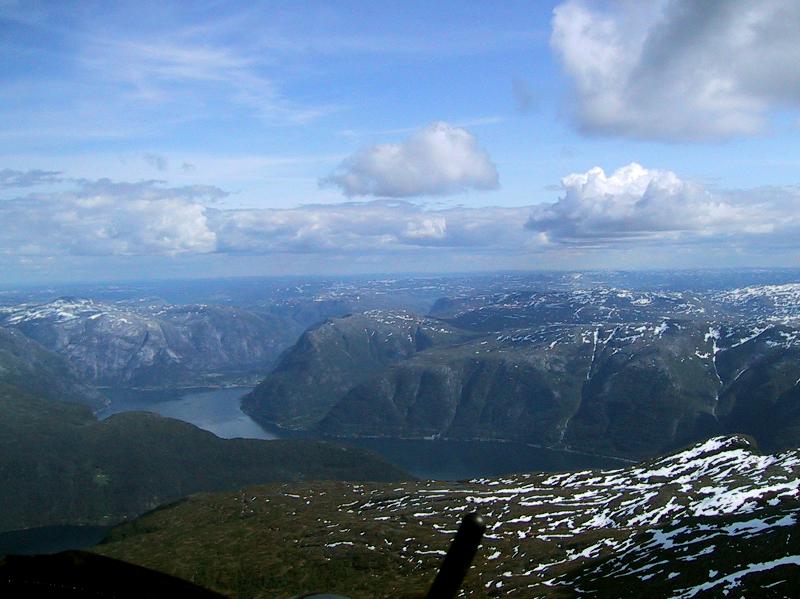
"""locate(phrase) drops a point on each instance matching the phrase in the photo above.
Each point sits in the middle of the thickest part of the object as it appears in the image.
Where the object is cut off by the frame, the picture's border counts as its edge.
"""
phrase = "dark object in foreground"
(458, 559)
(80, 574)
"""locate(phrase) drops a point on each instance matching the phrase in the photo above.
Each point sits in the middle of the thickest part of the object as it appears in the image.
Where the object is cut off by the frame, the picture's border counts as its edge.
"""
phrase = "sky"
(198, 139)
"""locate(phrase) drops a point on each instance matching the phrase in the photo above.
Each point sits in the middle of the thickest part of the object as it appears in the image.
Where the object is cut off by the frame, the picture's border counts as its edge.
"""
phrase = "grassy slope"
(590, 530)
(269, 541)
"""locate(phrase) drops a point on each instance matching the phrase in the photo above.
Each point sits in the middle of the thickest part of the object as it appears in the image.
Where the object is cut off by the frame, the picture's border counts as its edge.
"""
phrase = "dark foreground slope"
(59, 465)
(715, 518)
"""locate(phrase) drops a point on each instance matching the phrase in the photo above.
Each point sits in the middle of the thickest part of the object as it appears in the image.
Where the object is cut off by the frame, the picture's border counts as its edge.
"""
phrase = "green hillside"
(59, 465)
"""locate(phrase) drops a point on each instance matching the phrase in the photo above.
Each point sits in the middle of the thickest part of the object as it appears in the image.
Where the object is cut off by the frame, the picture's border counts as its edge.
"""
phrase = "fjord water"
(460, 460)
(219, 411)
(214, 410)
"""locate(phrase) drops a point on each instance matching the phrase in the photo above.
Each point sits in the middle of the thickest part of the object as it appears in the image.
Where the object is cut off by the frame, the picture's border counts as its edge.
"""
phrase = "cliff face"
(636, 395)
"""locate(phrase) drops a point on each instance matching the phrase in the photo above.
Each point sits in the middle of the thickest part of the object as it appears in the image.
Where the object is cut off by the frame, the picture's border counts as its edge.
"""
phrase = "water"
(50, 539)
(460, 460)
(215, 410)
(219, 411)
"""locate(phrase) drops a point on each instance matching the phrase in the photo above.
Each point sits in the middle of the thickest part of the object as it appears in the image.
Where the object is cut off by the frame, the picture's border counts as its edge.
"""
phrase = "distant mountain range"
(154, 344)
(610, 371)
(717, 519)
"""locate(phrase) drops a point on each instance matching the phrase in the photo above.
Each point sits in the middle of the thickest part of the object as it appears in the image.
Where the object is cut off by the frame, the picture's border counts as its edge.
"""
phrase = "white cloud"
(436, 160)
(638, 204)
(680, 70)
(146, 218)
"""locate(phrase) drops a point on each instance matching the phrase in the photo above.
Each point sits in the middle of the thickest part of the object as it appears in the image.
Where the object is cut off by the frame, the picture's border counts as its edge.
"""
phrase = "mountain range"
(609, 371)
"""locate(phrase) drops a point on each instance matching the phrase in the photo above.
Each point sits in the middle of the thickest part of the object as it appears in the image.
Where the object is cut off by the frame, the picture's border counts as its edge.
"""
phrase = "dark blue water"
(460, 460)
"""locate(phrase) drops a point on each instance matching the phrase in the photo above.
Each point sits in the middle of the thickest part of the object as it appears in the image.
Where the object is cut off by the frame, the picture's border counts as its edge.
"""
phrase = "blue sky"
(209, 138)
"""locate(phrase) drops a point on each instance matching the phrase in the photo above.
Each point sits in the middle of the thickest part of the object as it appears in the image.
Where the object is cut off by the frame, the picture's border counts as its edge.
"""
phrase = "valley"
(546, 402)
(218, 411)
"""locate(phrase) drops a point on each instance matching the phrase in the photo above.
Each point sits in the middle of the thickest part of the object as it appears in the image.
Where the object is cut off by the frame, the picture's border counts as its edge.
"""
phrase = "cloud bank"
(437, 160)
(679, 70)
(146, 218)
(632, 207)
(377, 226)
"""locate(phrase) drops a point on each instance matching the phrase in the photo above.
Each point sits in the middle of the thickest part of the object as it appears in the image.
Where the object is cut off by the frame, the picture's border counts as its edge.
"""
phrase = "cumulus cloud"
(437, 160)
(10, 178)
(679, 69)
(638, 204)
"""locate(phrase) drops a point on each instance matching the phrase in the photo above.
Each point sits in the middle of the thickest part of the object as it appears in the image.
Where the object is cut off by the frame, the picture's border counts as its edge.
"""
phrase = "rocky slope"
(714, 519)
(617, 372)
(153, 344)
